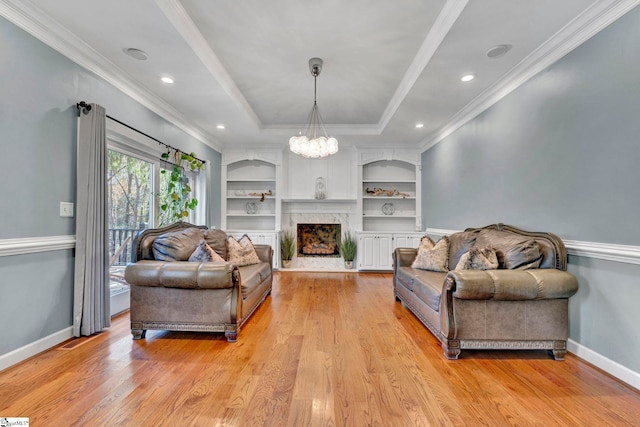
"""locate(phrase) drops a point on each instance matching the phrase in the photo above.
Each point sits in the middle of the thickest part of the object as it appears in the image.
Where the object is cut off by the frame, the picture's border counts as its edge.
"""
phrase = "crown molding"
(29, 245)
(446, 19)
(31, 19)
(590, 22)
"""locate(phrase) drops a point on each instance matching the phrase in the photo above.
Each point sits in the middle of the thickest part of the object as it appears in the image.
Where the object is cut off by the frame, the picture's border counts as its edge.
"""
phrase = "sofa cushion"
(427, 285)
(459, 244)
(513, 251)
(478, 259)
(204, 253)
(217, 240)
(406, 275)
(434, 258)
(242, 252)
(176, 245)
(252, 275)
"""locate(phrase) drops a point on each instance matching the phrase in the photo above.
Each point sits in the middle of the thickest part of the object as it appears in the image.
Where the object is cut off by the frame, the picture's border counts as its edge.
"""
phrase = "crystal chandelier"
(314, 142)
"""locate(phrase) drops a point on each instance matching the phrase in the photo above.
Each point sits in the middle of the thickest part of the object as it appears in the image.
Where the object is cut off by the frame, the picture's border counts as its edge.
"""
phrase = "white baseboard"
(31, 349)
(617, 370)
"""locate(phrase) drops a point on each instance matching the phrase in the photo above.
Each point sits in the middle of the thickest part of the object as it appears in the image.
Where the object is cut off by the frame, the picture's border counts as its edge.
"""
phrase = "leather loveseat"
(521, 304)
(168, 292)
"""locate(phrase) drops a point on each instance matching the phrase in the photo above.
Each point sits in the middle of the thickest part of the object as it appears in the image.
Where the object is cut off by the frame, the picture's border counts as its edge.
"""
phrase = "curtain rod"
(85, 108)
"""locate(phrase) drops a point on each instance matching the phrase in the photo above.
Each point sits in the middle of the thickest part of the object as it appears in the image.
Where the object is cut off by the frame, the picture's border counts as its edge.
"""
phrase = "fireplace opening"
(318, 240)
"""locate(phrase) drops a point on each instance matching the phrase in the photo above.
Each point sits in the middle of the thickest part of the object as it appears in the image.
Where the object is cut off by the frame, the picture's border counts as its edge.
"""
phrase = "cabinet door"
(385, 247)
(366, 252)
(406, 240)
(374, 252)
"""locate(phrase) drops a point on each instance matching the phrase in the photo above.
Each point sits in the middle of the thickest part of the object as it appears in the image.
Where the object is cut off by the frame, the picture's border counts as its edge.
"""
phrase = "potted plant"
(287, 247)
(175, 202)
(348, 246)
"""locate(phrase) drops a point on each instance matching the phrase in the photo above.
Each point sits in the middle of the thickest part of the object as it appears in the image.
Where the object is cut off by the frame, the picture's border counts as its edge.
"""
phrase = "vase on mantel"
(348, 265)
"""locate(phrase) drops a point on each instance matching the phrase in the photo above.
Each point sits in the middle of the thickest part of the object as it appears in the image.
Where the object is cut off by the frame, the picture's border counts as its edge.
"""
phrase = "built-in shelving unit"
(250, 197)
(390, 191)
(389, 205)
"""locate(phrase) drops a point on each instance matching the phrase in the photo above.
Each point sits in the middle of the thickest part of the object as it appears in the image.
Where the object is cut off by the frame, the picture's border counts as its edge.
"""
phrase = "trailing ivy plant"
(176, 203)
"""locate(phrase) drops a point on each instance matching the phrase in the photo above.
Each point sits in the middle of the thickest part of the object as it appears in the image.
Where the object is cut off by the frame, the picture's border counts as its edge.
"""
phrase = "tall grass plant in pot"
(287, 247)
(348, 249)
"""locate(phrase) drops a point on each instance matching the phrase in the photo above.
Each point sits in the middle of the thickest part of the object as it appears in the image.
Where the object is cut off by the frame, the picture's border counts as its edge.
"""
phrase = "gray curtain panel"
(91, 279)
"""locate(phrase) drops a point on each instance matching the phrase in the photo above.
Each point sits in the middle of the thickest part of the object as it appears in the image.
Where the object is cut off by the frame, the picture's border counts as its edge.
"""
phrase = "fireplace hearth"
(318, 240)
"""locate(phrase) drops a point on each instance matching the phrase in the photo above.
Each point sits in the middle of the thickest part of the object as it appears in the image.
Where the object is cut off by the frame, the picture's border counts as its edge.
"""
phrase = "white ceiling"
(388, 65)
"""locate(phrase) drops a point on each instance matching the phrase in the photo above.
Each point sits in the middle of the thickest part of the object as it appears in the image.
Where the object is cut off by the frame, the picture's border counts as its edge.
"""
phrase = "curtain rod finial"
(83, 107)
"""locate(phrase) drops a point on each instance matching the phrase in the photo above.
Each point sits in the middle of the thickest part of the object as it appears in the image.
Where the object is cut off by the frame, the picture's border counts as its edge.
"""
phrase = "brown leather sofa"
(194, 296)
(491, 309)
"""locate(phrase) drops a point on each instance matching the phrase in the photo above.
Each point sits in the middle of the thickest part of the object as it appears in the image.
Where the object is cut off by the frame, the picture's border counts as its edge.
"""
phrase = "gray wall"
(39, 91)
(560, 154)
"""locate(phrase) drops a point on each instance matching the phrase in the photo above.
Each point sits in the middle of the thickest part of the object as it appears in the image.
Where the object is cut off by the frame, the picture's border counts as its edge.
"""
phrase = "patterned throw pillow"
(204, 253)
(432, 257)
(478, 259)
(242, 252)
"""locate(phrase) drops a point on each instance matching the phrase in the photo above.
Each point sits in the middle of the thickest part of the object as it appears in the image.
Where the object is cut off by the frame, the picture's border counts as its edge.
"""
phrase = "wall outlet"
(66, 209)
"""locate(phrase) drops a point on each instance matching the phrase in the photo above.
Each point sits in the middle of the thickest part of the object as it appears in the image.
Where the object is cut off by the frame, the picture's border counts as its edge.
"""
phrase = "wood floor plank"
(325, 349)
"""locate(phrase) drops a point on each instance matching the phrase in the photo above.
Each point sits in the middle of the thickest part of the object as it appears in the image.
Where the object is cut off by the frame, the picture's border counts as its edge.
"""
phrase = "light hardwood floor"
(325, 349)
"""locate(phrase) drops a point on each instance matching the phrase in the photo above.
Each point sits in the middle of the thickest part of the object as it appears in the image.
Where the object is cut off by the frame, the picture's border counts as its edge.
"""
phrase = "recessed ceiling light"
(467, 78)
(138, 54)
(220, 126)
(420, 125)
(498, 51)
(167, 80)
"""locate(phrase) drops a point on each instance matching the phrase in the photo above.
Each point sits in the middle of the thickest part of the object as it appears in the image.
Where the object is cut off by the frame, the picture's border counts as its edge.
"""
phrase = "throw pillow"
(483, 259)
(434, 258)
(217, 240)
(463, 262)
(459, 244)
(204, 253)
(242, 252)
(513, 251)
(176, 245)
(478, 259)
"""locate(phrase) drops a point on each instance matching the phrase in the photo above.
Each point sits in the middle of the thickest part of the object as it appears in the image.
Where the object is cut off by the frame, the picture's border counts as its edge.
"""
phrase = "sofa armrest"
(265, 253)
(403, 257)
(510, 285)
(182, 274)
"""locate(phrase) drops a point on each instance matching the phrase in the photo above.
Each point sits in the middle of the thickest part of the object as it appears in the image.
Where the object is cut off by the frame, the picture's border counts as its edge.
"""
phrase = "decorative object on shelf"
(377, 191)
(320, 189)
(251, 208)
(240, 193)
(348, 247)
(287, 247)
(388, 209)
(315, 142)
(262, 195)
(418, 223)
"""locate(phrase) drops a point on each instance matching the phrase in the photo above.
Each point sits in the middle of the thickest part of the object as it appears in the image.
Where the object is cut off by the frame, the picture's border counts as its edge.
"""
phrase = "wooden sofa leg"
(451, 349)
(232, 336)
(138, 333)
(559, 350)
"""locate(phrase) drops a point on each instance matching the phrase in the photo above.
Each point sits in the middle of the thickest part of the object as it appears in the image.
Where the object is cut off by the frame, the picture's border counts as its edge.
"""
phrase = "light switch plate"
(66, 209)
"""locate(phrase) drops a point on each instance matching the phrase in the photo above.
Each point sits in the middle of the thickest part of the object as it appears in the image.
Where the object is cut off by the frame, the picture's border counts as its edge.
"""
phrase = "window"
(134, 189)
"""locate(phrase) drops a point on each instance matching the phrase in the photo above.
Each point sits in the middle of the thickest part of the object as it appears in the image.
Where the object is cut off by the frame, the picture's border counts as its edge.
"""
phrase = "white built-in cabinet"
(389, 205)
(382, 222)
(247, 175)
